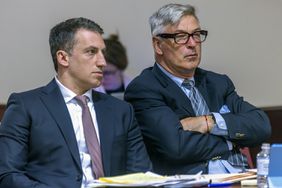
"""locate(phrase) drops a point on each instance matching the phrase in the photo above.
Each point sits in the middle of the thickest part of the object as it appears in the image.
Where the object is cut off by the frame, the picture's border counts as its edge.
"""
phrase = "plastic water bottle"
(262, 166)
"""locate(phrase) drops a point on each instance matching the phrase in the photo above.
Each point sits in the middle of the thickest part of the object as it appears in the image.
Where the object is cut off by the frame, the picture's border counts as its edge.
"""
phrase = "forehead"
(86, 38)
(186, 23)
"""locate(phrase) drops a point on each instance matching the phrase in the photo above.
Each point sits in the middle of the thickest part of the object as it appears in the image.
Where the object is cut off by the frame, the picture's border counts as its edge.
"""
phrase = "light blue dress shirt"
(218, 165)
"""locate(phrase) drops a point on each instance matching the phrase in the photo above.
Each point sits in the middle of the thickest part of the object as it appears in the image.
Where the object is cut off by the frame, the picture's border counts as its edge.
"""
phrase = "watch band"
(213, 118)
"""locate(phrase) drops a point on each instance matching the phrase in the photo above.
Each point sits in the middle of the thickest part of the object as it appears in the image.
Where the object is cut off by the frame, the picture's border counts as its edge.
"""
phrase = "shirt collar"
(68, 94)
(176, 79)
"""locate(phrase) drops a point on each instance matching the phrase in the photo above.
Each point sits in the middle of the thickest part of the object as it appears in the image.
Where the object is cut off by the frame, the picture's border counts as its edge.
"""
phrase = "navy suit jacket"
(160, 105)
(38, 144)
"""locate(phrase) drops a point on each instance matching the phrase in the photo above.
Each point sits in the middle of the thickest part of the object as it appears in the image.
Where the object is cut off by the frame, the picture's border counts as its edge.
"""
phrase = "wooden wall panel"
(2, 109)
(275, 117)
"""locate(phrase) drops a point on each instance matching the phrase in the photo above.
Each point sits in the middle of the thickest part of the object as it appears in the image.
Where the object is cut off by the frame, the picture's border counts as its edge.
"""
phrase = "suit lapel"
(202, 85)
(56, 106)
(177, 93)
(106, 129)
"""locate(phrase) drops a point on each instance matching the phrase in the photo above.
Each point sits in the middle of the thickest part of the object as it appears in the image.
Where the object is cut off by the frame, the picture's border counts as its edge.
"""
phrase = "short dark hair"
(115, 52)
(62, 36)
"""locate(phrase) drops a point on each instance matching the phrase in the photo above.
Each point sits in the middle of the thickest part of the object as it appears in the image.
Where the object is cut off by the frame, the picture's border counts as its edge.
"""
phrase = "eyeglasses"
(183, 38)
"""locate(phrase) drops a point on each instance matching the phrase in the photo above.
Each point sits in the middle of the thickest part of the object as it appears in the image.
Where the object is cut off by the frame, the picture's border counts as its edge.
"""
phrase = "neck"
(181, 73)
(72, 85)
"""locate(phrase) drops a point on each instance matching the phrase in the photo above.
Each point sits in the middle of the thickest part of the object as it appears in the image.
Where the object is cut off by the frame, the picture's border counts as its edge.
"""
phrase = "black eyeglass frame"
(174, 36)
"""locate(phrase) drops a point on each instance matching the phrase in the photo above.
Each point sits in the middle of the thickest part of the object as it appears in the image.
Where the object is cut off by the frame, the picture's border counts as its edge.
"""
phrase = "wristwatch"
(213, 118)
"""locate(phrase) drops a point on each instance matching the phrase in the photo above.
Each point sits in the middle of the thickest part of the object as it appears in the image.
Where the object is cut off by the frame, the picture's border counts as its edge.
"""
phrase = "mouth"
(191, 56)
(98, 73)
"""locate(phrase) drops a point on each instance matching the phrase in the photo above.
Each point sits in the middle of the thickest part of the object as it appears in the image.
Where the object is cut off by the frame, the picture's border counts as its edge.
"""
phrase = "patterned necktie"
(237, 159)
(91, 138)
(200, 108)
(198, 102)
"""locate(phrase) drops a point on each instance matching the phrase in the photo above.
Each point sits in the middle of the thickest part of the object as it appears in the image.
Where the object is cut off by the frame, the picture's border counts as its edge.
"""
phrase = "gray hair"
(169, 14)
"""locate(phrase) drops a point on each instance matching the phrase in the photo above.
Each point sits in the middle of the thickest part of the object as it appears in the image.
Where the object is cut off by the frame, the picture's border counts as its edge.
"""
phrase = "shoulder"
(211, 76)
(146, 79)
(145, 85)
(146, 74)
(33, 94)
(27, 96)
(109, 101)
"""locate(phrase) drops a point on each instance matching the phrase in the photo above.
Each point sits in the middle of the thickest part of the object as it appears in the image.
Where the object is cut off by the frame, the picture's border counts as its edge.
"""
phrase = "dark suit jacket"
(38, 144)
(160, 105)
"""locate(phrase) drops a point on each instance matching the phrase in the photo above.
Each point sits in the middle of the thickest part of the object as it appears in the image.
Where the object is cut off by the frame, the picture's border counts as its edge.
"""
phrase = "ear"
(157, 46)
(62, 58)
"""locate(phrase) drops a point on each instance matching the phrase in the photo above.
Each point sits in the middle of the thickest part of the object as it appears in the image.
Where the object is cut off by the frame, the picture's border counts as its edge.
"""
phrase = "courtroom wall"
(244, 40)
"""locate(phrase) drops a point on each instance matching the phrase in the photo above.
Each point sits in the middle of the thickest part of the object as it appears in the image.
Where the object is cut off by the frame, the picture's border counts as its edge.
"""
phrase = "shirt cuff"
(220, 127)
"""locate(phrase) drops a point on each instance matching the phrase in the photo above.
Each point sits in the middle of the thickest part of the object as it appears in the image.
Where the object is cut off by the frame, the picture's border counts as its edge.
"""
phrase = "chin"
(96, 83)
(192, 64)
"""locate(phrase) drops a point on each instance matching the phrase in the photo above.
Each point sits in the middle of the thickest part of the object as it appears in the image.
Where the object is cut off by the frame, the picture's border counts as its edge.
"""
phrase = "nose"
(191, 41)
(101, 61)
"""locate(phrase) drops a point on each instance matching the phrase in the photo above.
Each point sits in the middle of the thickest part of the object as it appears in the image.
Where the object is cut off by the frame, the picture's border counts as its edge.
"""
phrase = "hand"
(202, 124)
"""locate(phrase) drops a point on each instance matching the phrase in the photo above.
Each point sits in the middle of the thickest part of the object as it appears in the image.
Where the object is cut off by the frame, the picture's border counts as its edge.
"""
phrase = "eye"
(104, 52)
(92, 51)
(197, 34)
(181, 37)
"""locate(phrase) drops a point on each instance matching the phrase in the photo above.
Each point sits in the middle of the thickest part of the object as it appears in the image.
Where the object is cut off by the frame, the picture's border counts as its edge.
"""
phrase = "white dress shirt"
(75, 112)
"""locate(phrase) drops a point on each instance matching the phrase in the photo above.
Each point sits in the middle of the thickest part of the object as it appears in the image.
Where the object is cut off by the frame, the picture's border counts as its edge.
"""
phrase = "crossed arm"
(203, 124)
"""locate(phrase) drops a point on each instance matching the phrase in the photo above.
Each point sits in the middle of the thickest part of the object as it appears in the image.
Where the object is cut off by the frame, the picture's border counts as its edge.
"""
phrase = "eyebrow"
(91, 48)
(182, 31)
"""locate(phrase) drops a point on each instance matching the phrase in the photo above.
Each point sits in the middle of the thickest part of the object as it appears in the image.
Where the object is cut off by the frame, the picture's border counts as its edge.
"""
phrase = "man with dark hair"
(65, 134)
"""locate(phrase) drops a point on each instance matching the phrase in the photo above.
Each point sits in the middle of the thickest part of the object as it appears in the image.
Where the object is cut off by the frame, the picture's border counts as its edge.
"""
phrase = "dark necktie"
(91, 138)
(201, 108)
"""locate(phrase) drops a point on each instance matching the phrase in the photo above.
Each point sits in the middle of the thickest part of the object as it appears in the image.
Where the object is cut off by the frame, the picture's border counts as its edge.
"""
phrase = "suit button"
(78, 178)
(239, 135)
